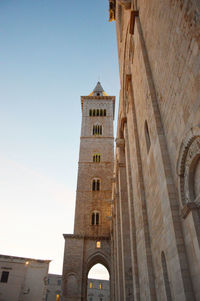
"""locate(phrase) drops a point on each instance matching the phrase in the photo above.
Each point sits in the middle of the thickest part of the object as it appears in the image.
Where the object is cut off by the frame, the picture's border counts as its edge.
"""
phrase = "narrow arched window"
(97, 158)
(97, 130)
(90, 112)
(96, 185)
(101, 112)
(147, 136)
(97, 112)
(104, 112)
(95, 220)
(93, 113)
(166, 277)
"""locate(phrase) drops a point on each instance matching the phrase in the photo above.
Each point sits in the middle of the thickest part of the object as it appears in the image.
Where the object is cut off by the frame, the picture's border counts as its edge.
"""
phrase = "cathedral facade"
(156, 186)
(138, 213)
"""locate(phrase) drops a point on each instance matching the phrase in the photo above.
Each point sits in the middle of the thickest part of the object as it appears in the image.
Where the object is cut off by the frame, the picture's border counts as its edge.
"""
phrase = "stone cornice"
(96, 137)
(79, 236)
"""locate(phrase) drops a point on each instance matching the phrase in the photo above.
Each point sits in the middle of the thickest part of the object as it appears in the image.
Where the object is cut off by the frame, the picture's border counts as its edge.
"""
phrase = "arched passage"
(98, 278)
(98, 283)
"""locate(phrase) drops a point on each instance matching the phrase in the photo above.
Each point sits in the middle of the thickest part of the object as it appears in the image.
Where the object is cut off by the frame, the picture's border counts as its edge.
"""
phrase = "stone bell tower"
(90, 244)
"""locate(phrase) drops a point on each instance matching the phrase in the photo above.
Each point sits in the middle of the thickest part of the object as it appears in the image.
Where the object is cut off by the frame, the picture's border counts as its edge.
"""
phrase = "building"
(156, 189)
(23, 279)
(98, 290)
(91, 241)
(54, 287)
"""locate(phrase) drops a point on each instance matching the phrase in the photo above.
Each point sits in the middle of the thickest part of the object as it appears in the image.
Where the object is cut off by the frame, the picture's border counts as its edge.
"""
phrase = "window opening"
(95, 218)
(97, 130)
(100, 286)
(97, 158)
(96, 185)
(4, 276)
(98, 244)
(90, 284)
(57, 297)
(147, 136)
(97, 112)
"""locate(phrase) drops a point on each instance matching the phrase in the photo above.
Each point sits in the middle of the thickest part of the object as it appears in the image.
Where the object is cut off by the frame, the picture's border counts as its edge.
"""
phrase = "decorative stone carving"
(112, 6)
(120, 142)
(125, 3)
(189, 169)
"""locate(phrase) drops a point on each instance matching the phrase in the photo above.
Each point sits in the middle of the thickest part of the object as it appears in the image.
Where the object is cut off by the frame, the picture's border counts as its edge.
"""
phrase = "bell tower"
(90, 243)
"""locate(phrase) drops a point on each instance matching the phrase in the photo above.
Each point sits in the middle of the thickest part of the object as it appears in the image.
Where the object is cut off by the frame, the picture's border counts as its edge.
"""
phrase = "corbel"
(120, 142)
(134, 14)
(125, 3)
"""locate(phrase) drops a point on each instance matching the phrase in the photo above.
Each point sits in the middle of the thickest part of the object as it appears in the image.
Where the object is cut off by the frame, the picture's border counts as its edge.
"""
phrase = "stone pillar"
(124, 222)
(119, 262)
(132, 226)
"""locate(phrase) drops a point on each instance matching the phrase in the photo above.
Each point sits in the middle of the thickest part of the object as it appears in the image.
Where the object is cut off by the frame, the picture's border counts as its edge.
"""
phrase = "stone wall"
(158, 125)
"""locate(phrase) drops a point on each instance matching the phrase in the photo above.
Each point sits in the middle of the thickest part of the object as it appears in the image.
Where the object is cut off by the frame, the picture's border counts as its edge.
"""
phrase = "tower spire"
(98, 90)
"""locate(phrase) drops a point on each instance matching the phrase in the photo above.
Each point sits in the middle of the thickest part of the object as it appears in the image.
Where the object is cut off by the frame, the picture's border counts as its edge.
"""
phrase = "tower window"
(95, 218)
(97, 130)
(100, 286)
(147, 136)
(95, 185)
(97, 112)
(4, 276)
(98, 244)
(90, 284)
(96, 158)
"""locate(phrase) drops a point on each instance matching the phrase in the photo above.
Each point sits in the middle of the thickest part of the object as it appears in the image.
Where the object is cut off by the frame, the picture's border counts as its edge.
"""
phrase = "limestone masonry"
(91, 241)
(145, 226)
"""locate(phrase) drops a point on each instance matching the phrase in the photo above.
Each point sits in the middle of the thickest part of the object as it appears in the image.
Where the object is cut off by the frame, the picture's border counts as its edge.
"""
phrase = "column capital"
(120, 142)
(125, 3)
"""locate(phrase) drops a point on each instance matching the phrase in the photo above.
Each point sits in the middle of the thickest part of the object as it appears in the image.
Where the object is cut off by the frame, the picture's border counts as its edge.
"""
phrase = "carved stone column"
(124, 222)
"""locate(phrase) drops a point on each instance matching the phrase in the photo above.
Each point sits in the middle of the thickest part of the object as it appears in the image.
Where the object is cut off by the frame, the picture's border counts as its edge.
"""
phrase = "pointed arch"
(98, 257)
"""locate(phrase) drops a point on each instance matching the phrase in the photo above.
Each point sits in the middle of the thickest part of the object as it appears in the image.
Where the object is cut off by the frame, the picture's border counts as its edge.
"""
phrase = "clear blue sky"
(51, 52)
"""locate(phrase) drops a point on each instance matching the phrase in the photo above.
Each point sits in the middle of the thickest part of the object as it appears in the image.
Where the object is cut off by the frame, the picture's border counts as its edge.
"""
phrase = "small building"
(98, 290)
(54, 287)
(23, 279)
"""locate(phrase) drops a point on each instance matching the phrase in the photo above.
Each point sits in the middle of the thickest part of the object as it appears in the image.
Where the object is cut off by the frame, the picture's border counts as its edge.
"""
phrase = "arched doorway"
(98, 283)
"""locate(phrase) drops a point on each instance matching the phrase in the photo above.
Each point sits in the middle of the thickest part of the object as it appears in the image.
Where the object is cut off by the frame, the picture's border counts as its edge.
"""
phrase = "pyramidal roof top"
(98, 91)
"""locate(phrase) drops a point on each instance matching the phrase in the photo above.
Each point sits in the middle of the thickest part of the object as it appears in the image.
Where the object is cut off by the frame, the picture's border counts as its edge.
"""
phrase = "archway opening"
(98, 288)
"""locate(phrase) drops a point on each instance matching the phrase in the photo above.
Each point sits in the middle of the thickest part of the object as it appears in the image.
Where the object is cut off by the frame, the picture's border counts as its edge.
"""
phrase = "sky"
(51, 53)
